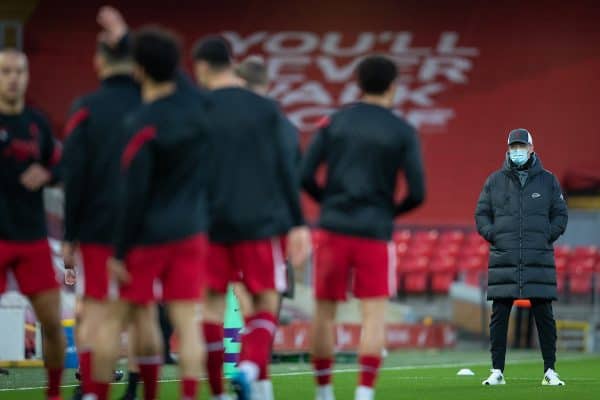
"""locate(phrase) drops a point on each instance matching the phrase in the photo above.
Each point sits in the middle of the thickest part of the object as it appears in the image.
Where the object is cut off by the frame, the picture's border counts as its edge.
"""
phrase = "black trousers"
(544, 321)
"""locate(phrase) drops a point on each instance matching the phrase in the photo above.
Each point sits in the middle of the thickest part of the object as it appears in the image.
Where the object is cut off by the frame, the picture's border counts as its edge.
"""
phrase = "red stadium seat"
(580, 283)
(453, 236)
(581, 266)
(401, 250)
(429, 236)
(475, 250)
(561, 264)
(447, 250)
(443, 272)
(472, 269)
(474, 238)
(402, 236)
(583, 252)
(562, 251)
(420, 249)
(413, 274)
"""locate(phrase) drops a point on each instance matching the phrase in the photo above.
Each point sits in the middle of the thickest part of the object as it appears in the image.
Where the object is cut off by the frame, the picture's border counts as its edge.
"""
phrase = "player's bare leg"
(213, 314)
(184, 316)
(108, 346)
(46, 306)
(90, 315)
(133, 370)
(322, 349)
(372, 342)
(244, 298)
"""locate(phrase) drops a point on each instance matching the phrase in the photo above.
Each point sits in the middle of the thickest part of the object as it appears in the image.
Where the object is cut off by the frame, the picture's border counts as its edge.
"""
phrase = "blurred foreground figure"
(364, 146)
(28, 162)
(160, 243)
(94, 142)
(255, 214)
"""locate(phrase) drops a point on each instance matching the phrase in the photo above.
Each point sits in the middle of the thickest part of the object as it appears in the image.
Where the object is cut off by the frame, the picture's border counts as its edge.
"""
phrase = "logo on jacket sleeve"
(536, 195)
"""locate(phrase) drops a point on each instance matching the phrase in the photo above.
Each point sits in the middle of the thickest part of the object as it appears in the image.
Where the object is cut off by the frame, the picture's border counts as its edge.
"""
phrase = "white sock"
(325, 392)
(250, 369)
(221, 397)
(364, 393)
(263, 390)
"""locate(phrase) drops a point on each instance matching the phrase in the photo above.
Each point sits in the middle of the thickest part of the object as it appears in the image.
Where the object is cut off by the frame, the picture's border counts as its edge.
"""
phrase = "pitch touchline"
(350, 370)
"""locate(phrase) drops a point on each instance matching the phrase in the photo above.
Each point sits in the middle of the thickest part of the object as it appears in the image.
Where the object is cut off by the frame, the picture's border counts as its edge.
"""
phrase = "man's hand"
(298, 246)
(113, 25)
(118, 271)
(35, 177)
(68, 253)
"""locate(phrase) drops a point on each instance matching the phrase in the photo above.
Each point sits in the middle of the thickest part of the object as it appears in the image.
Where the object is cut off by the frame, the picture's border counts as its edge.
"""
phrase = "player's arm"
(47, 169)
(415, 176)
(137, 168)
(298, 238)
(484, 215)
(313, 158)
(73, 162)
(559, 214)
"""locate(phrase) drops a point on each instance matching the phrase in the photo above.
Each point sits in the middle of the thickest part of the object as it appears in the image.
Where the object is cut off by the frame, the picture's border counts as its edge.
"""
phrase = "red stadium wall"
(471, 71)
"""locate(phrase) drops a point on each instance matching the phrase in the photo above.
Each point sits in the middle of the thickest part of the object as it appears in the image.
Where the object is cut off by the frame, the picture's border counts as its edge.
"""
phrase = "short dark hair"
(214, 50)
(376, 73)
(119, 53)
(157, 51)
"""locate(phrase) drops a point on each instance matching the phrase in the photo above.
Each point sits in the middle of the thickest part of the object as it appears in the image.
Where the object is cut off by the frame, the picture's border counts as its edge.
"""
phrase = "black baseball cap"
(520, 135)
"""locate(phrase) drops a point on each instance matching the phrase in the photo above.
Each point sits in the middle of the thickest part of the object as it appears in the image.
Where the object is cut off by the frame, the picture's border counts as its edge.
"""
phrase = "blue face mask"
(518, 156)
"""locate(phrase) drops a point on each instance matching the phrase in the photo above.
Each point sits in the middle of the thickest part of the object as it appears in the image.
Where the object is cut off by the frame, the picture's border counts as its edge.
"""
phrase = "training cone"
(465, 372)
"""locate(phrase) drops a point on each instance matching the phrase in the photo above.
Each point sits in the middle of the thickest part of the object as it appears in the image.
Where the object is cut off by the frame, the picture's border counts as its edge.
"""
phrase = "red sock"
(100, 389)
(215, 356)
(54, 377)
(258, 339)
(322, 367)
(85, 369)
(189, 388)
(149, 370)
(369, 368)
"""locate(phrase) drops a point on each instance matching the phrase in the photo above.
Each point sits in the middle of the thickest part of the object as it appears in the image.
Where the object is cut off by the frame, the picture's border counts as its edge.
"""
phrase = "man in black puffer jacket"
(521, 212)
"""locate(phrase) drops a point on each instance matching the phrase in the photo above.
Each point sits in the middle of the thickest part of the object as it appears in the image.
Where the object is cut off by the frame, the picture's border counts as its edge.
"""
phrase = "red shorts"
(171, 271)
(343, 263)
(259, 264)
(92, 277)
(31, 264)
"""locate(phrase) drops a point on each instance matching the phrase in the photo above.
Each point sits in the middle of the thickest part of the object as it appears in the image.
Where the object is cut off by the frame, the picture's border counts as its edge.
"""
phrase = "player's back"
(365, 146)
(175, 169)
(250, 189)
(95, 132)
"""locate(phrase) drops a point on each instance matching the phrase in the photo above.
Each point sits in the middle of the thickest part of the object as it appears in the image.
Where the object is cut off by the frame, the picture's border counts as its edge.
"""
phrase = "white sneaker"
(262, 390)
(364, 393)
(325, 392)
(222, 397)
(551, 378)
(496, 378)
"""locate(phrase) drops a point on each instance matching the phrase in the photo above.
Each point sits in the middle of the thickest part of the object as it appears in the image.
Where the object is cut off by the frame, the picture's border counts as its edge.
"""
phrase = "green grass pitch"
(406, 375)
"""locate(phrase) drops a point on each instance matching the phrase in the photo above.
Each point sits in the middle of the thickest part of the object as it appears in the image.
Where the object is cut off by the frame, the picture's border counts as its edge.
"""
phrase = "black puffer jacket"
(521, 222)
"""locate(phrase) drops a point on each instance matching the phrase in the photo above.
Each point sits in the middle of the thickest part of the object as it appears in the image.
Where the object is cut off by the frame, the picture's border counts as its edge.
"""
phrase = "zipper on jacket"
(522, 187)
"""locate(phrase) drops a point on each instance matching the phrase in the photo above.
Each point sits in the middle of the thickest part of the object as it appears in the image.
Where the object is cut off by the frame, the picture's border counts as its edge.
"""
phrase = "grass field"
(406, 375)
